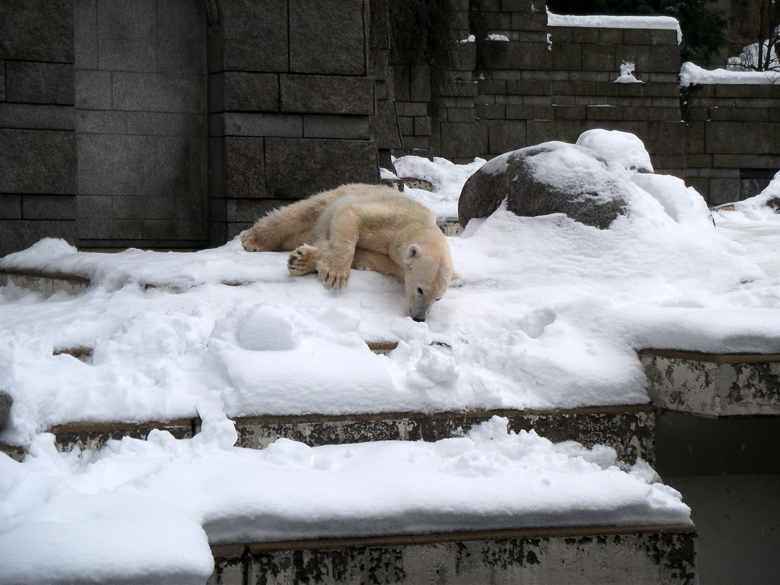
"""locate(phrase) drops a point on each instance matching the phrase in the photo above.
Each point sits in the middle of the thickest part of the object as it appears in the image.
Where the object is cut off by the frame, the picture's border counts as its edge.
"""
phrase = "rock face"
(5, 407)
(553, 177)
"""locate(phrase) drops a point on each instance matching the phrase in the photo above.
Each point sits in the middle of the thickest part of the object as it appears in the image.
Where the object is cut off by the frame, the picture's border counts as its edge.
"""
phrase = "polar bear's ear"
(412, 252)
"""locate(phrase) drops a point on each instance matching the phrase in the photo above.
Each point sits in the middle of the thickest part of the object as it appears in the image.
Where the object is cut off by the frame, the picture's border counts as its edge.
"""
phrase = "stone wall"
(37, 138)
(141, 123)
(290, 105)
(555, 82)
(733, 139)
(177, 123)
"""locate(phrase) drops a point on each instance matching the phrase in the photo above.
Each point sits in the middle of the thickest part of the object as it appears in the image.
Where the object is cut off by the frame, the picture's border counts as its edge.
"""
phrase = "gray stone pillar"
(37, 142)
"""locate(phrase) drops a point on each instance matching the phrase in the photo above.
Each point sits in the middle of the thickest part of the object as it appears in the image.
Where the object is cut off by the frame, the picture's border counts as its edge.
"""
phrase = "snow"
(549, 313)
(691, 74)
(627, 73)
(622, 148)
(90, 517)
(604, 21)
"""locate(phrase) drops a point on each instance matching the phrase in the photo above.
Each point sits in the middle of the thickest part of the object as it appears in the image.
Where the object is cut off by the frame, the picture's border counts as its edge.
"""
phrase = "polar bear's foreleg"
(376, 261)
(337, 251)
(303, 260)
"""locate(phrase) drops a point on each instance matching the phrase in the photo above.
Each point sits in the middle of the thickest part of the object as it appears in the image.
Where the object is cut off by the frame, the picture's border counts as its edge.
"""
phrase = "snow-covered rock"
(553, 177)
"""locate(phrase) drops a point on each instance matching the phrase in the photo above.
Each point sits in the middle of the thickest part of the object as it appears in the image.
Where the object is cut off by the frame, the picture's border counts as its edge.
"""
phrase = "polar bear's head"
(427, 274)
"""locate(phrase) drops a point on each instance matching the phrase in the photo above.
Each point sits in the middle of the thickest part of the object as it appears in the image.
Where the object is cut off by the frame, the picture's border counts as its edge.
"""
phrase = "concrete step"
(713, 384)
(579, 555)
(627, 429)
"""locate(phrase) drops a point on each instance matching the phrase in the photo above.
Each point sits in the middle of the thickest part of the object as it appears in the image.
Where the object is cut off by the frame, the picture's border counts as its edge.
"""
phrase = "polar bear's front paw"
(332, 277)
(303, 260)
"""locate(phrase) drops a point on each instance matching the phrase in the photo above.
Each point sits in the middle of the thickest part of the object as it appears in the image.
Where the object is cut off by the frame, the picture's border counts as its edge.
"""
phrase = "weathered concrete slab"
(47, 284)
(93, 435)
(646, 554)
(627, 429)
(713, 384)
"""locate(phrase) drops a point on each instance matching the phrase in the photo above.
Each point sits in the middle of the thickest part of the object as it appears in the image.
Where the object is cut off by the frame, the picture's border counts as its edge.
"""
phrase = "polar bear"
(368, 227)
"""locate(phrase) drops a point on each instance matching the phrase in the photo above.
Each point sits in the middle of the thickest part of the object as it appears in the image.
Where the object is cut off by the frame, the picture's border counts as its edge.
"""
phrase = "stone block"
(722, 191)
(95, 206)
(741, 138)
(328, 36)
(739, 114)
(664, 37)
(129, 38)
(597, 57)
(538, 131)
(142, 165)
(420, 89)
(181, 37)
(244, 165)
(746, 161)
(166, 124)
(56, 207)
(569, 112)
(664, 58)
(664, 114)
(93, 90)
(696, 161)
(415, 109)
(329, 163)
(254, 92)
(245, 210)
(16, 235)
(320, 94)
(158, 92)
(255, 36)
(101, 122)
(10, 206)
(491, 112)
(461, 115)
(525, 56)
(671, 138)
(169, 231)
(37, 30)
(85, 34)
(636, 36)
(519, 112)
(603, 113)
(39, 83)
(347, 127)
(406, 125)
(612, 36)
(464, 57)
(37, 161)
(383, 126)
(567, 56)
(37, 117)
(584, 35)
(458, 140)
(506, 136)
(280, 125)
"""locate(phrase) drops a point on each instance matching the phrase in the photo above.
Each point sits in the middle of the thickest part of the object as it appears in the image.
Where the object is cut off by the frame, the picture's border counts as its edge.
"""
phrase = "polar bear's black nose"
(418, 318)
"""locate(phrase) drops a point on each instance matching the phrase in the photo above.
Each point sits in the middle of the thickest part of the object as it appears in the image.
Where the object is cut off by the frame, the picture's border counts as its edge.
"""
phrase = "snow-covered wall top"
(691, 74)
(600, 21)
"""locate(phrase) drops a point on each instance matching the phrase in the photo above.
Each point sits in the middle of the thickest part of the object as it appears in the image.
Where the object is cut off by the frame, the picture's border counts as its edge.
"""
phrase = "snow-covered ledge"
(599, 21)
(691, 74)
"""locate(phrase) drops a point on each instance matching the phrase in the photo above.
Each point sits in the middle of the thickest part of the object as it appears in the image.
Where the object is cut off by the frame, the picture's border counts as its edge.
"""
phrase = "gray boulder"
(553, 177)
(5, 407)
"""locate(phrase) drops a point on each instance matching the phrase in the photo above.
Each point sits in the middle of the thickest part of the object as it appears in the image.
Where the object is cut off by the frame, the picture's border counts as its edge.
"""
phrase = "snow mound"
(622, 148)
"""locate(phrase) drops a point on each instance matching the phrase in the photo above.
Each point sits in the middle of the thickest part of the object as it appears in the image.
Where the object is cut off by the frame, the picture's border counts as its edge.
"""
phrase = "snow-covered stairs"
(603, 553)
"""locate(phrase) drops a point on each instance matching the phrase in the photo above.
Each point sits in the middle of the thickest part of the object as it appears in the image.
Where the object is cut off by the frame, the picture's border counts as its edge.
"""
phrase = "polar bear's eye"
(420, 291)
